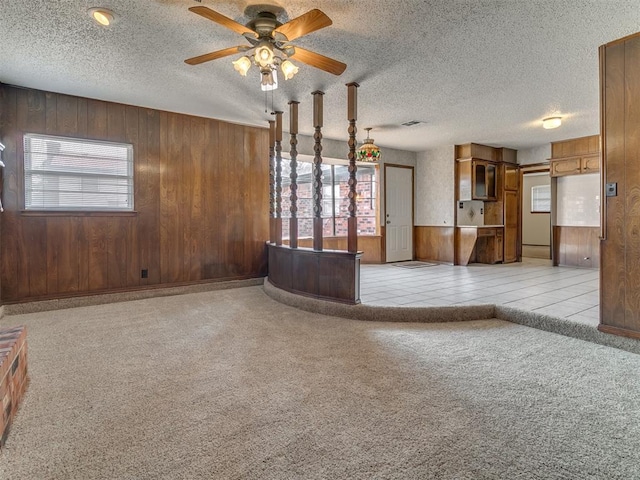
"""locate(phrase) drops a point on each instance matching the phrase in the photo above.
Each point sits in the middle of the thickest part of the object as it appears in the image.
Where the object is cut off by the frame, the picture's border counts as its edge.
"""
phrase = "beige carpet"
(233, 385)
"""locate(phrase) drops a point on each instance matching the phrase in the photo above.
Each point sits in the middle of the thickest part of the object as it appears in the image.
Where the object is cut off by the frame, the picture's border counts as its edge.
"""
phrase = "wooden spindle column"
(352, 116)
(278, 219)
(272, 181)
(317, 170)
(293, 132)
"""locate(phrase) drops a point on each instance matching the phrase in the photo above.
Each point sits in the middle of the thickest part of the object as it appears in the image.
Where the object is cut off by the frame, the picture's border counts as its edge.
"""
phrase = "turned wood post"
(317, 170)
(272, 181)
(293, 132)
(352, 116)
(278, 219)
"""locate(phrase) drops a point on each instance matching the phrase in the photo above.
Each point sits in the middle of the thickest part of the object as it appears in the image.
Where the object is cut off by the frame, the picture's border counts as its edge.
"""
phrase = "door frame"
(383, 214)
(537, 168)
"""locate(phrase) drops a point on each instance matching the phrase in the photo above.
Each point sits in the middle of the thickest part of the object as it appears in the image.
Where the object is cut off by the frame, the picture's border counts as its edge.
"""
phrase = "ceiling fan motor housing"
(264, 24)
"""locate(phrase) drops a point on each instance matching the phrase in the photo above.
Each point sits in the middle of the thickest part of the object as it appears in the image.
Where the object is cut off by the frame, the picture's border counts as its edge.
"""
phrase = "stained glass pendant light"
(368, 151)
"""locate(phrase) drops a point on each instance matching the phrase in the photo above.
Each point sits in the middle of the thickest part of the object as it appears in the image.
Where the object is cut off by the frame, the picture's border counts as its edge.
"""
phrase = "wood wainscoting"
(434, 244)
(201, 202)
(371, 246)
(328, 275)
(576, 246)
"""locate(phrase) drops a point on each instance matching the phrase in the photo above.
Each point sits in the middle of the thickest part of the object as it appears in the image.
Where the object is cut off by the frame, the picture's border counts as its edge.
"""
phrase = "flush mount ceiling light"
(101, 16)
(551, 122)
(368, 151)
(270, 41)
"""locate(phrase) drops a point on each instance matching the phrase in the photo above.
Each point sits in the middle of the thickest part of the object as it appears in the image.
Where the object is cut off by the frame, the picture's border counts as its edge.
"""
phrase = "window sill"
(77, 213)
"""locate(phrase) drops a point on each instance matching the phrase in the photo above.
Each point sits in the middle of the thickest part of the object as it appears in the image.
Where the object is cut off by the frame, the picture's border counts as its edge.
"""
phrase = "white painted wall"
(434, 192)
(578, 200)
(540, 154)
(536, 227)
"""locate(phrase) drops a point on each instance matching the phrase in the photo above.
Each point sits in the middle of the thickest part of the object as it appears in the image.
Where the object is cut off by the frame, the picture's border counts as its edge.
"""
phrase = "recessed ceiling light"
(551, 122)
(102, 16)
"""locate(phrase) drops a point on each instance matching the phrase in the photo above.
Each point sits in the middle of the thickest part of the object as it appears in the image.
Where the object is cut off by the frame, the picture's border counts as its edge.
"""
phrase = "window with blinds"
(63, 173)
(541, 199)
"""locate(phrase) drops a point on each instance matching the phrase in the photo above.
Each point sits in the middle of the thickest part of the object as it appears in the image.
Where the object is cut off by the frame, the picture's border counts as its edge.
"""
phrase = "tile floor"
(533, 285)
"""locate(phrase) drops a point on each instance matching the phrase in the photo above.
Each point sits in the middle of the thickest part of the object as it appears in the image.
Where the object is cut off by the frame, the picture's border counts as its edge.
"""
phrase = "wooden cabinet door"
(591, 164)
(511, 177)
(464, 180)
(484, 180)
(511, 223)
(566, 166)
(479, 180)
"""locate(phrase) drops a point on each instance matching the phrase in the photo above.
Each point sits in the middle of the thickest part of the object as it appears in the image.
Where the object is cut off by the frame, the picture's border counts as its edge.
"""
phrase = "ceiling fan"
(270, 41)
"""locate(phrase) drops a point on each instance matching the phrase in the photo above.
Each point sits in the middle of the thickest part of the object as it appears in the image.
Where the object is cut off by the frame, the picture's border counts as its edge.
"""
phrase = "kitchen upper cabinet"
(477, 179)
(566, 166)
(511, 177)
(575, 165)
(590, 164)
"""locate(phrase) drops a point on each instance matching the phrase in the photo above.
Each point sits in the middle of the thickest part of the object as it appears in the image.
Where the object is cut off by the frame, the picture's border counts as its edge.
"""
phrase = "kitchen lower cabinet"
(479, 244)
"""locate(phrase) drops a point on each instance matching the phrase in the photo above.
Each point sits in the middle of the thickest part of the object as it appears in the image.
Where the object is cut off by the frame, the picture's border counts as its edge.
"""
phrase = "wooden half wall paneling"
(434, 244)
(327, 274)
(201, 190)
(576, 246)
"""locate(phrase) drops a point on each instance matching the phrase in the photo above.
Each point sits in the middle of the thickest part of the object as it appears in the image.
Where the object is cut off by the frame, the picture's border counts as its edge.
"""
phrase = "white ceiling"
(484, 71)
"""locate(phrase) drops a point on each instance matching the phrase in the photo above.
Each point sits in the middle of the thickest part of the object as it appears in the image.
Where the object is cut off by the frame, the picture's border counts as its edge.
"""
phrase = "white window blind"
(63, 173)
(541, 199)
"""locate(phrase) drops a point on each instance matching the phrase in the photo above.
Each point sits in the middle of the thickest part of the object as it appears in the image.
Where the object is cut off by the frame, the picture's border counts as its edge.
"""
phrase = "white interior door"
(399, 213)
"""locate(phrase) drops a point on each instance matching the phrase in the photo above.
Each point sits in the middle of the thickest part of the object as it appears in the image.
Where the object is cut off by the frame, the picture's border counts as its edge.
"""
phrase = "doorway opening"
(536, 214)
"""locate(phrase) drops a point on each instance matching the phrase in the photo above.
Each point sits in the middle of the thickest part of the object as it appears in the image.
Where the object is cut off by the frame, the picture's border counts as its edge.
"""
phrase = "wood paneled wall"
(435, 244)
(620, 247)
(201, 202)
(576, 246)
(575, 147)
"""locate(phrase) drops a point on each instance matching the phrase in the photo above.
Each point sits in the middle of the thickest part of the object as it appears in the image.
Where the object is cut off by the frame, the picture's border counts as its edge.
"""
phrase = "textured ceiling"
(484, 71)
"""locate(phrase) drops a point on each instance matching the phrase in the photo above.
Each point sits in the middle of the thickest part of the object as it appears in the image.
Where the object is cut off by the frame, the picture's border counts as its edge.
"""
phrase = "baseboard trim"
(623, 332)
(125, 296)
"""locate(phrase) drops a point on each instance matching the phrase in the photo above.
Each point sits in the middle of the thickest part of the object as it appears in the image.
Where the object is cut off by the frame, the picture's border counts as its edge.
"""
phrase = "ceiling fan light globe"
(264, 54)
(268, 79)
(242, 65)
(289, 69)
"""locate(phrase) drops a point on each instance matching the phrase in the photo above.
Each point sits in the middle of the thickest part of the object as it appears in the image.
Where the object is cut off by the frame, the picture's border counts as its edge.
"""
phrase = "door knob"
(388, 221)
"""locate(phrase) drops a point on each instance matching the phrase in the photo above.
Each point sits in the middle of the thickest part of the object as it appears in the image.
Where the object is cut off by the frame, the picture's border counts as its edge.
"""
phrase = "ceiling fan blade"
(319, 61)
(217, 54)
(222, 20)
(309, 22)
